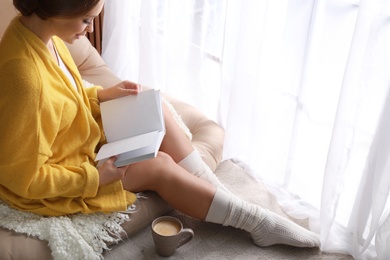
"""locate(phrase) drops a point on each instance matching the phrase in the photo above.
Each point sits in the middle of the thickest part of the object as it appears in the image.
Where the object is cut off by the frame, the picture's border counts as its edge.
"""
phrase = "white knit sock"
(194, 164)
(266, 227)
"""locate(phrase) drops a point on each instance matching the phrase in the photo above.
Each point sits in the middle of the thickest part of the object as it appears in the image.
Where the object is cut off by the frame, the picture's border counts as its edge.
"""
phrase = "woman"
(53, 130)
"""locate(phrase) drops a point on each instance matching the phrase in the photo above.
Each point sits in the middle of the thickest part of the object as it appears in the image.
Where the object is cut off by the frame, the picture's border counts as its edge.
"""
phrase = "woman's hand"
(109, 173)
(122, 89)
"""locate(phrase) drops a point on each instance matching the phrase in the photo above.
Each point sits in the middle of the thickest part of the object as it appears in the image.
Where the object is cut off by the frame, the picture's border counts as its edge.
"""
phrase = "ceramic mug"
(168, 235)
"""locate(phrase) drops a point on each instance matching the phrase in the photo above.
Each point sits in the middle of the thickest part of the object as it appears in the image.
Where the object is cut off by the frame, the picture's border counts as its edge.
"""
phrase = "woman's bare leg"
(175, 142)
(179, 147)
(199, 199)
(182, 190)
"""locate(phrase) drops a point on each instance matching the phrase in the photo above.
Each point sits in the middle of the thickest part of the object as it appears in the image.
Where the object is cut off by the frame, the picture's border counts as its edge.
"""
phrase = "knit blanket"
(78, 236)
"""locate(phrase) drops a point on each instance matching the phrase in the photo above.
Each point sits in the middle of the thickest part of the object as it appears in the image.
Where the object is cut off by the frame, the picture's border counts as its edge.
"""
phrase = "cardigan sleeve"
(27, 134)
(94, 101)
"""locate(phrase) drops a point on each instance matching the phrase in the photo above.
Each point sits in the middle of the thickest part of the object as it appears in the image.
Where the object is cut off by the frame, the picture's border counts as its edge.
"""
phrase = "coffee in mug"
(167, 227)
(168, 235)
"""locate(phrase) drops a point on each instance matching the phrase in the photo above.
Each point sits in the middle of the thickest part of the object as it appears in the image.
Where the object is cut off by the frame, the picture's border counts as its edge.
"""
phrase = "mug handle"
(188, 234)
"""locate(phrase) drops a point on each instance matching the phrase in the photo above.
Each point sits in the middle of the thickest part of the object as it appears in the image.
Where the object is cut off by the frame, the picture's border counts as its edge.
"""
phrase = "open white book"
(134, 127)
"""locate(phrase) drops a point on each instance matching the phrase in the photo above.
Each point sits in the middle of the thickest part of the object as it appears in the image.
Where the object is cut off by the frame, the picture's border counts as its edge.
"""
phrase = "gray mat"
(214, 241)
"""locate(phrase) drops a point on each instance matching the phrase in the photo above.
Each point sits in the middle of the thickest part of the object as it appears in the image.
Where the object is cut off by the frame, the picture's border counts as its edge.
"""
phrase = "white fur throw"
(78, 236)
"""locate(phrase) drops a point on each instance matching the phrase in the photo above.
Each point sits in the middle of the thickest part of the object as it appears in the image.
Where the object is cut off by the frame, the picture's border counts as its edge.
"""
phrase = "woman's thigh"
(175, 142)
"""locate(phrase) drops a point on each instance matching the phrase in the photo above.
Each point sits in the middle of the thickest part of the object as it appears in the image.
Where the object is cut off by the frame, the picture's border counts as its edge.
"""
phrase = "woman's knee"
(149, 173)
(157, 164)
(163, 162)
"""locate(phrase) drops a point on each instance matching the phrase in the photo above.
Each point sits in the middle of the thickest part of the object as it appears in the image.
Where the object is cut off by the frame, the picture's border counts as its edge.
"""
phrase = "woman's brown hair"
(51, 8)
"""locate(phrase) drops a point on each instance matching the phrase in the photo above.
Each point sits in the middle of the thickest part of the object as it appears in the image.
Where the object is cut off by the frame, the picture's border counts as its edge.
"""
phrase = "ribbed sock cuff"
(191, 162)
(219, 207)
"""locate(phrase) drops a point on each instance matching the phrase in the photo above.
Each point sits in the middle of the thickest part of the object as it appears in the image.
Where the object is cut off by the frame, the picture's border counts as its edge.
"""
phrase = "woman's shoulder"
(18, 71)
(15, 56)
(17, 66)
(19, 43)
(19, 78)
(18, 55)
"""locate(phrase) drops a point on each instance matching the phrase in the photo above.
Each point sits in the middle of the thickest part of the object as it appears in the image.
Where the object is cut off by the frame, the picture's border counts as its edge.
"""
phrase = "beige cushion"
(207, 138)
(20, 246)
(7, 12)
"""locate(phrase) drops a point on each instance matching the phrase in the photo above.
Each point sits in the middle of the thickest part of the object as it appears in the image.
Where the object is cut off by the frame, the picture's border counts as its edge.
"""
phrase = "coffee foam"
(167, 228)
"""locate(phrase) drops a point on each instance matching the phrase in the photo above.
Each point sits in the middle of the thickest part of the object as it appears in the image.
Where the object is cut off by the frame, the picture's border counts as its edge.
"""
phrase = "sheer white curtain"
(300, 87)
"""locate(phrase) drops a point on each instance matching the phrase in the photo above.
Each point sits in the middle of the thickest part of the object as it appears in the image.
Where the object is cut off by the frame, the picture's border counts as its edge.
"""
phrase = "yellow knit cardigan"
(49, 132)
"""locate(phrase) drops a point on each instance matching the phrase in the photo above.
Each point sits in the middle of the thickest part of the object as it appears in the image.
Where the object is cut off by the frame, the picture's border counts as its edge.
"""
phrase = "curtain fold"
(96, 37)
(300, 88)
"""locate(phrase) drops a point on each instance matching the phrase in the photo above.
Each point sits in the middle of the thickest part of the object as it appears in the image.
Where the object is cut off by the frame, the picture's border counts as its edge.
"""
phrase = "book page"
(134, 127)
(132, 115)
(124, 145)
